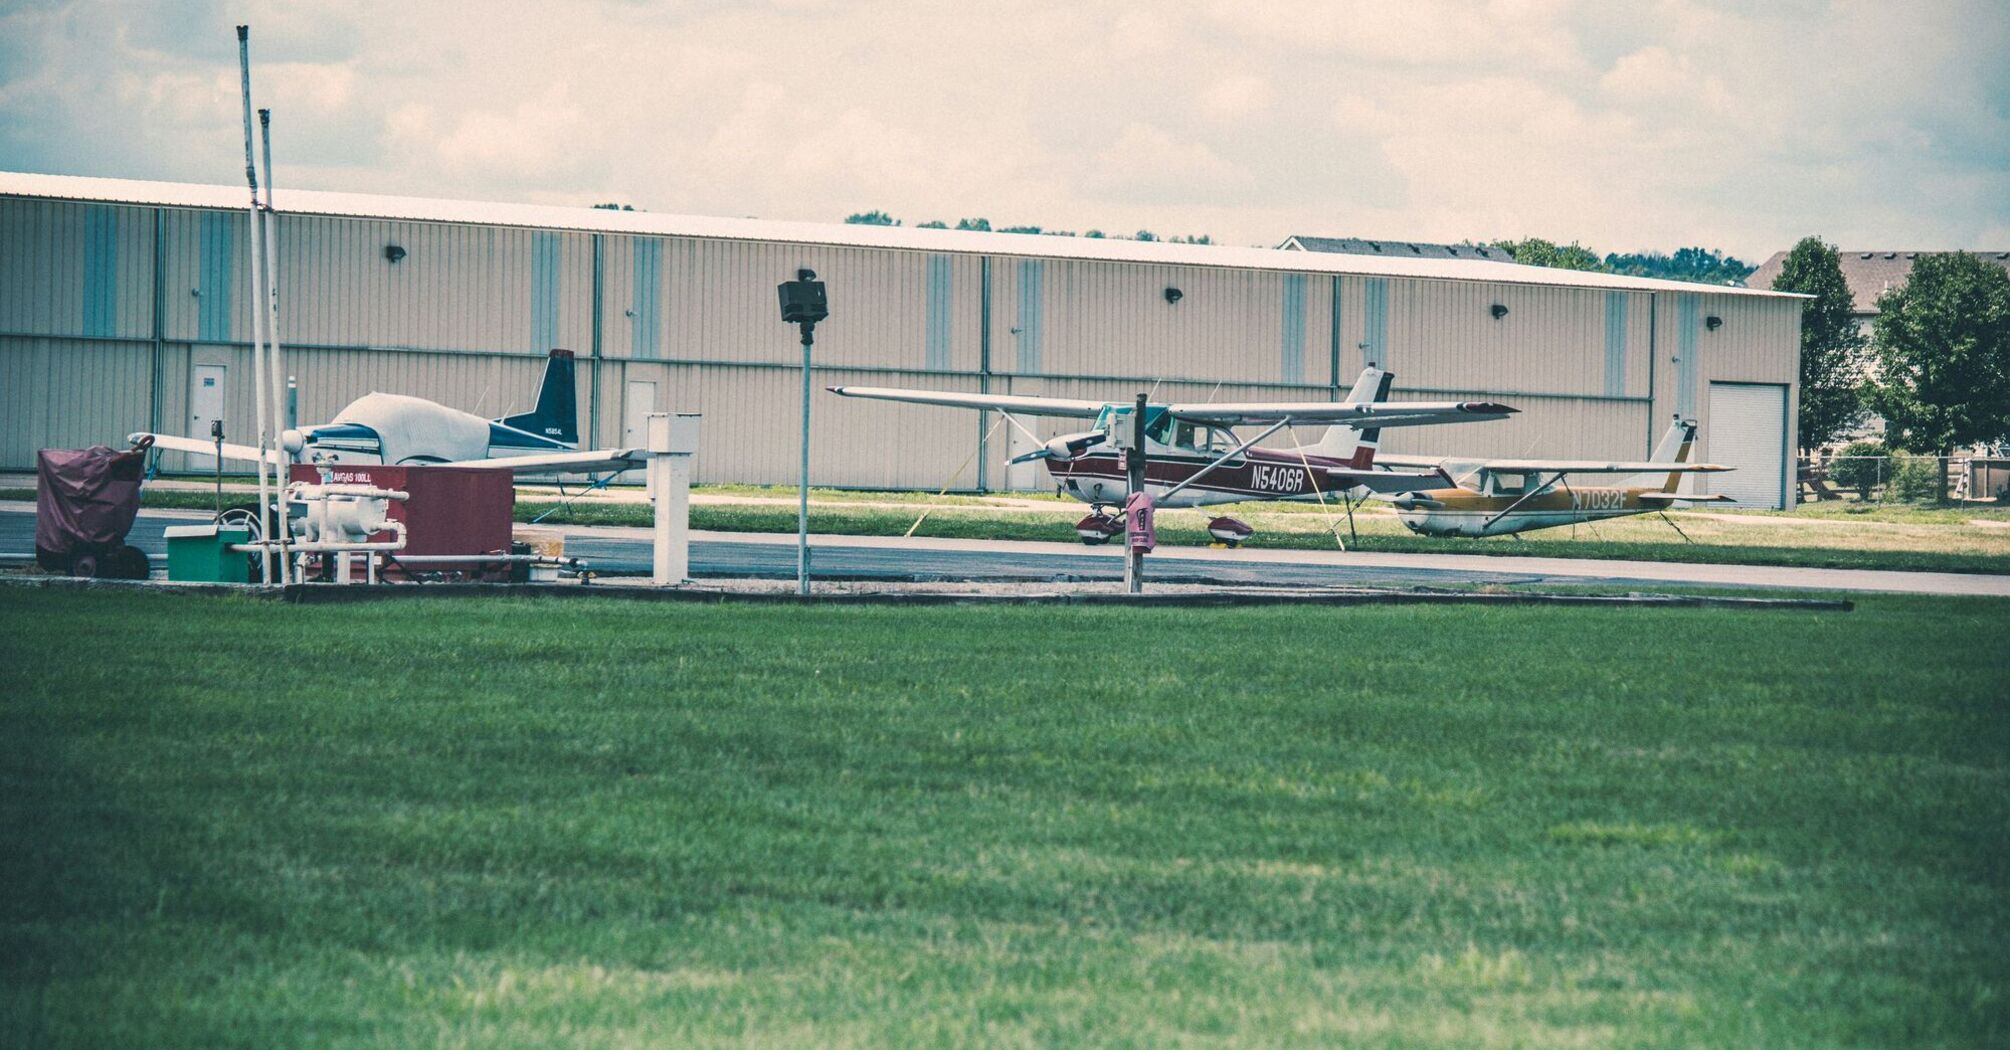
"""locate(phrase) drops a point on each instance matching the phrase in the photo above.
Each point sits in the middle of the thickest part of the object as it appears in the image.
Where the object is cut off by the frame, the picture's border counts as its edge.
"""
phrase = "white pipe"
(257, 315)
(276, 372)
(311, 490)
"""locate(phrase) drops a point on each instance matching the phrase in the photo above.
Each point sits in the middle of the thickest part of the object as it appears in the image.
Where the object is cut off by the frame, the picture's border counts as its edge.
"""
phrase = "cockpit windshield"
(1162, 428)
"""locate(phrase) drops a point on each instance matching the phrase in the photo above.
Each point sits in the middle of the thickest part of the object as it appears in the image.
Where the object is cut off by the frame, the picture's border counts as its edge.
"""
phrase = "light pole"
(803, 305)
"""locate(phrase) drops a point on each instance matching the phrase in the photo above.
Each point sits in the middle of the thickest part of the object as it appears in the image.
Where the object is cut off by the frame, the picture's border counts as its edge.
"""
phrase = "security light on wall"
(1174, 295)
(1713, 322)
(393, 252)
(1498, 311)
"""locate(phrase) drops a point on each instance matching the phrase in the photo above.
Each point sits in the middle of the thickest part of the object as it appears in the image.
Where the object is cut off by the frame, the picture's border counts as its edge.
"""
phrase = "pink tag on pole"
(1143, 534)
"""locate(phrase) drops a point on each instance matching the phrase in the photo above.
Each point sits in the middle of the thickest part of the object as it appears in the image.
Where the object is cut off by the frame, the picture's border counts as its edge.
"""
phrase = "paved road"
(887, 558)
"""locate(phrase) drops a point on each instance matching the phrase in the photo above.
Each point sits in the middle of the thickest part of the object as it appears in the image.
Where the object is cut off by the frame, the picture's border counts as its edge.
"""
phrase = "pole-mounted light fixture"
(803, 305)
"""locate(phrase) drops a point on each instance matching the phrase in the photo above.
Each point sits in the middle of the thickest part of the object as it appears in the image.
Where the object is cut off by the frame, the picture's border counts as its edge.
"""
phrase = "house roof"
(600, 220)
(1868, 274)
(1394, 249)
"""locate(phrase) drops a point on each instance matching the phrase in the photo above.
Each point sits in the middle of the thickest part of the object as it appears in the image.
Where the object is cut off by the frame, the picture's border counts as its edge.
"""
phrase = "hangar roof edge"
(600, 220)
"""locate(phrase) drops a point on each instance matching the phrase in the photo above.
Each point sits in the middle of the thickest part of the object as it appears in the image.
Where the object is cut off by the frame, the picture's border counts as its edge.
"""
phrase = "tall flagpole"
(266, 524)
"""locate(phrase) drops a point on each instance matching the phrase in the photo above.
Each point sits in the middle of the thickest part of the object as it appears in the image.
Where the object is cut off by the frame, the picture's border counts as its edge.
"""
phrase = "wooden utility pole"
(1134, 461)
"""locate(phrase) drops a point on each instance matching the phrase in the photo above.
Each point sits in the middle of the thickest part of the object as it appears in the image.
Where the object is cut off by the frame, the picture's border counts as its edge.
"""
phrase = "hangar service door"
(1748, 430)
(206, 384)
(638, 401)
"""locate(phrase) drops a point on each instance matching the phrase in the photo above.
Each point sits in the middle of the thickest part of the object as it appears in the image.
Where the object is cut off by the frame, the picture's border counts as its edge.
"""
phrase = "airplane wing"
(1376, 414)
(1677, 497)
(1032, 406)
(208, 448)
(585, 461)
(1596, 466)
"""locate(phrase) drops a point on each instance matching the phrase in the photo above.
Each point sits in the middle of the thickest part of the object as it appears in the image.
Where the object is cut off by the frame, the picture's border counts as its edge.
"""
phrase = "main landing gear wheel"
(1098, 526)
(1229, 532)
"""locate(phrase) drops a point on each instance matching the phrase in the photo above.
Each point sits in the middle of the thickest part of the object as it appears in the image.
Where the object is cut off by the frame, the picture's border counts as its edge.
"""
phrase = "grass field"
(603, 823)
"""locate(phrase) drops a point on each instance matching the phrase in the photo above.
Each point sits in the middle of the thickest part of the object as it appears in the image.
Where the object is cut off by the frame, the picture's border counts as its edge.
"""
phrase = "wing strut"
(1202, 472)
(1516, 505)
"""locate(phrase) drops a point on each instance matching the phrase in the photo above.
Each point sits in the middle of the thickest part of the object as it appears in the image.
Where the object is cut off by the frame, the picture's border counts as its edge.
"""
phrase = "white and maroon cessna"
(1194, 457)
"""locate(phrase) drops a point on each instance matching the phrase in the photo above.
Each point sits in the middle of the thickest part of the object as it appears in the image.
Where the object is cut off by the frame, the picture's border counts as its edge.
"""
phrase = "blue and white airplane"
(400, 430)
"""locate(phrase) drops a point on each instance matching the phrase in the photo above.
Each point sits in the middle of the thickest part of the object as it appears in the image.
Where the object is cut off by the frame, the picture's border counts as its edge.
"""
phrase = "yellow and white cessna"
(1496, 497)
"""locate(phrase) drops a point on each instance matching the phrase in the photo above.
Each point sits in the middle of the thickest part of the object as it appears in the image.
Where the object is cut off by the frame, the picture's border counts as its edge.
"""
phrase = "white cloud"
(1237, 97)
(1645, 126)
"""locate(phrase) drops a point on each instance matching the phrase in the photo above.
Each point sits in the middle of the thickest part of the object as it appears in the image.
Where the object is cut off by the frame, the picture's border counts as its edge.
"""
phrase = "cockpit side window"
(1510, 484)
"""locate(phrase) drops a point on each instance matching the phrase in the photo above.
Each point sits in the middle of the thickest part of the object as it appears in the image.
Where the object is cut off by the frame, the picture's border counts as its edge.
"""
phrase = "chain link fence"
(1904, 477)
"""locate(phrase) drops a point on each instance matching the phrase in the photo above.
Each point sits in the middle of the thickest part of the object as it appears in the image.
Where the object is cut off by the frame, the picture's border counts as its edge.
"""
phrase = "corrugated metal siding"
(456, 288)
(75, 269)
(1114, 319)
(1579, 361)
(720, 305)
(1443, 335)
(69, 393)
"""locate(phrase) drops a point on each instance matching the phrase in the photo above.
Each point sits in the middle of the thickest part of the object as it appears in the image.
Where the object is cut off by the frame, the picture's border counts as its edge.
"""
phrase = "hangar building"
(126, 305)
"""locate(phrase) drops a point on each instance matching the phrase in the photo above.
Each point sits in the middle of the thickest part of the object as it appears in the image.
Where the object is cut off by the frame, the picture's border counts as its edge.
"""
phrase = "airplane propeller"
(1412, 501)
(1064, 448)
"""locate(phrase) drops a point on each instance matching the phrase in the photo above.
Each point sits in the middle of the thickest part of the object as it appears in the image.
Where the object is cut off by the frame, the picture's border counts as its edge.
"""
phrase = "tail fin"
(1351, 443)
(557, 413)
(1674, 447)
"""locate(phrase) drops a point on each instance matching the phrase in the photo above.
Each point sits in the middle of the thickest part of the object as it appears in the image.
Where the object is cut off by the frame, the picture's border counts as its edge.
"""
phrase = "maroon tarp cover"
(87, 499)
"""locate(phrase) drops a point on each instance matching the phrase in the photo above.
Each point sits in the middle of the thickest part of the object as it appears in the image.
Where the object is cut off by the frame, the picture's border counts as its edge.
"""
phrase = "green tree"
(1832, 346)
(874, 217)
(1534, 251)
(1019, 229)
(1702, 265)
(1942, 348)
(980, 225)
(932, 224)
(609, 206)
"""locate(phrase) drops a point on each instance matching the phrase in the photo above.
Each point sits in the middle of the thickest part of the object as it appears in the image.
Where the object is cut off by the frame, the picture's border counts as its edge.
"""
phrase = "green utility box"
(202, 554)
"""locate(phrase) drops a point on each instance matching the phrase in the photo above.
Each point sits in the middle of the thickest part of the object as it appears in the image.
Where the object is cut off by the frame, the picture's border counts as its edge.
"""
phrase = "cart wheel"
(84, 564)
(124, 563)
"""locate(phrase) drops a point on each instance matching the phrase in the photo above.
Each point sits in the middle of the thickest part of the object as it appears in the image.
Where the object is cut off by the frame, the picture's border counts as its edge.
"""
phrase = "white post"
(276, 371)
(255, 242)
(673, 439)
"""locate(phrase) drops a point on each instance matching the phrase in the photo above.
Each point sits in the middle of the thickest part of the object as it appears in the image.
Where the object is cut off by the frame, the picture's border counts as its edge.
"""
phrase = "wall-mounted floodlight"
(1174, 295)
(1713, 322)
(1498, 311)
(393, 253)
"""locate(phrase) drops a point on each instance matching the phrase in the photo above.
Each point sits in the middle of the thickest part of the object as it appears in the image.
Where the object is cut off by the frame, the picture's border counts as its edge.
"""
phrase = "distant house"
(1868, 274)
(1394, 249)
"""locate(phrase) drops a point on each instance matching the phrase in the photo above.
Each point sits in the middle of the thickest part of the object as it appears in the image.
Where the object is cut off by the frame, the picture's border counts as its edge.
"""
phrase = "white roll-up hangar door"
(1748, 431)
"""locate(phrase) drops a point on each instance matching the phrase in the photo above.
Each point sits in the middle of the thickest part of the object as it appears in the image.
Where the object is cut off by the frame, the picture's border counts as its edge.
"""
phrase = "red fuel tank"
(453, 510)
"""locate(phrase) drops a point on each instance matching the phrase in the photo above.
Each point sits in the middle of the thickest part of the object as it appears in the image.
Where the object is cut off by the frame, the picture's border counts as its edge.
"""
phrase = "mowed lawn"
(604, 823)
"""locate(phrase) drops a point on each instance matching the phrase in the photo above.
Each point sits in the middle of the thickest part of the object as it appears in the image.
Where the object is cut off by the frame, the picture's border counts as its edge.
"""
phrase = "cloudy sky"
(1627, 126)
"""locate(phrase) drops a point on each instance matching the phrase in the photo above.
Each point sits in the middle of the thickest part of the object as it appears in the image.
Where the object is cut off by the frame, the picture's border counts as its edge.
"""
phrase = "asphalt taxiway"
(763, 555)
